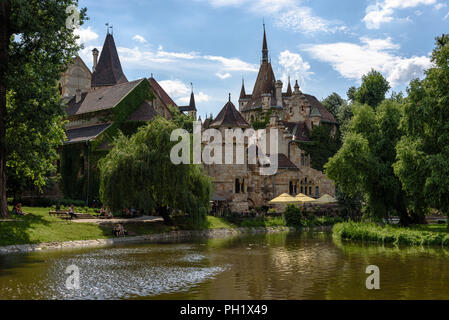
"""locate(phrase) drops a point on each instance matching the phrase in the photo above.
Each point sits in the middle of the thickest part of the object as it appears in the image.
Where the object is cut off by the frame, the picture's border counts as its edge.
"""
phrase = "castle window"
(237, 186)
(242, 188)
(291, 187)
(303, 159)
(317, 192)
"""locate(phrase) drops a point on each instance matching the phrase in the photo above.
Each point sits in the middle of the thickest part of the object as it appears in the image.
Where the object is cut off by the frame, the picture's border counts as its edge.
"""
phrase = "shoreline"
(151, 238)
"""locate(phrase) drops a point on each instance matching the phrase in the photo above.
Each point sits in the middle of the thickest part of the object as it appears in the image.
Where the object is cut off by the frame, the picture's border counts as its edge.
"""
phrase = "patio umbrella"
(302, 198)
(326, 199)
(283, 199)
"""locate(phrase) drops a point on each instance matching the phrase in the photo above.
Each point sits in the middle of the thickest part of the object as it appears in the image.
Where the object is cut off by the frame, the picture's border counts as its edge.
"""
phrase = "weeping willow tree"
(138, 173)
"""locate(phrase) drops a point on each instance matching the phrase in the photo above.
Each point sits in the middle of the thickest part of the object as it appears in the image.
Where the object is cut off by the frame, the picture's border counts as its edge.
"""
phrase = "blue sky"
(327, 45)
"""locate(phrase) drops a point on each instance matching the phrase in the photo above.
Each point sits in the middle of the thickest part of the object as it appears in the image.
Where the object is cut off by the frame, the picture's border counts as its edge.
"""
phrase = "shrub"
(294, 216)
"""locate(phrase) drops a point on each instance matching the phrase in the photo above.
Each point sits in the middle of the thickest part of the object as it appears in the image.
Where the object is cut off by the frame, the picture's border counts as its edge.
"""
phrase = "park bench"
(64, 215)
(57, 213)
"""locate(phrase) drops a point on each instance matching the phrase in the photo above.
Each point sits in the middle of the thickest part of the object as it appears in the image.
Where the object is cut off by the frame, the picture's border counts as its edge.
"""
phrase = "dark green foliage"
(371, 232)
(364, 164)
(74, 171)
(423, 153)
(294, 216)
(333, 103)
(373, 89)
(38, 48)
(262, 121)
(351, 93)
(323, 145)
(181, 120)
(138, 173)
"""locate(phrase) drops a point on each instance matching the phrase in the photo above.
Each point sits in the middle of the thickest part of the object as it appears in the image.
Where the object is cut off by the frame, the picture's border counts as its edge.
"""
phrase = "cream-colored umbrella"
(283, 199)
(302, 198)
(326, 199)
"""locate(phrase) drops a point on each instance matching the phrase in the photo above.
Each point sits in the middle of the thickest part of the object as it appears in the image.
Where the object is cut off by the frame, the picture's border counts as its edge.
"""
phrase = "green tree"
(138, 173)
(333, 104)
(324, 145)
(181, 120)
(373, 89)
(35, 48)
(423, 153)
(364, 164)
(351, 94)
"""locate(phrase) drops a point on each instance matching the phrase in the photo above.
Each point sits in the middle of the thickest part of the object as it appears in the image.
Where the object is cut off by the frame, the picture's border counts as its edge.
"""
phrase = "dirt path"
(144, 219)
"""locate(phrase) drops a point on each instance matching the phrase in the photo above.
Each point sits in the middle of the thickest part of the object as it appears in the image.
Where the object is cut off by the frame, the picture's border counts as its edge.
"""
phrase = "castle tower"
(108, 71)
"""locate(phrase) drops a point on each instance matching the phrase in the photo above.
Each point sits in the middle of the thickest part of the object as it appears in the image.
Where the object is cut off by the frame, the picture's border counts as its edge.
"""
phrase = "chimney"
(279, 93)
(95, 56)
(78, 96)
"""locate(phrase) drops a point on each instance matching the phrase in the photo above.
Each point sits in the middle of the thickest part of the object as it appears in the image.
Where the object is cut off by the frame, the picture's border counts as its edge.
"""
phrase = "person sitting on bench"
(71, 212)
(119, 231)
(17, 210)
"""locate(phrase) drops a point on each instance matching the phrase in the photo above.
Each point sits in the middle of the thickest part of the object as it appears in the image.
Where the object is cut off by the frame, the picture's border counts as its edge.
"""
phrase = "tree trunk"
(165, 213)
(4, 48)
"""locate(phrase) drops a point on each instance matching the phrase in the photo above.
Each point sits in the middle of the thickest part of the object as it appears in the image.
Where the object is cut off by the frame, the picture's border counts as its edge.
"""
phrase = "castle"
(294, 114)
(102, 101)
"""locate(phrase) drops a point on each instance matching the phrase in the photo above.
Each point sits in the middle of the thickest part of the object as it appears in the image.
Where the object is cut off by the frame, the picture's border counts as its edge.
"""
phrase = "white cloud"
(180, 92)
(85, 35)
(233, 64)
(294, 66)
(175, 88)
(446, 16)
(288, 14)
(223, 76)
(440, 5)
(382, 12)
(354, 60)
(139, 39)
(301, 19)
(200, 97)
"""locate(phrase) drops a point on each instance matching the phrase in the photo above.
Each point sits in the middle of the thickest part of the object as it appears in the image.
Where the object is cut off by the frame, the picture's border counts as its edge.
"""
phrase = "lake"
(309, 265)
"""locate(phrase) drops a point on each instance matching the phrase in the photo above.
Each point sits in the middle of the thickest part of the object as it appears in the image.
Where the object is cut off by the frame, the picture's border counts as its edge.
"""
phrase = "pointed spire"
(109, 69)
(229, 97)
(243, 92)
(289, 88)
(192, 103)
(264, 46)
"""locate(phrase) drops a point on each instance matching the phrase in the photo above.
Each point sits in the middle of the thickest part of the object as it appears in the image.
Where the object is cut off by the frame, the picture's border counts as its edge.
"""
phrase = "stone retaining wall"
(152, 238)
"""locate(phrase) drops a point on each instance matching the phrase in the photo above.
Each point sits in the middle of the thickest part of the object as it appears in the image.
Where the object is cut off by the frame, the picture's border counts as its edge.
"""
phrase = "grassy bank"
(436, 235)
(38, 227)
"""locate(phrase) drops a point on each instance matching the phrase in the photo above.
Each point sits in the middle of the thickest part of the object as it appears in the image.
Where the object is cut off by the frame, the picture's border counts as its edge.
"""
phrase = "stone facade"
(294, 114)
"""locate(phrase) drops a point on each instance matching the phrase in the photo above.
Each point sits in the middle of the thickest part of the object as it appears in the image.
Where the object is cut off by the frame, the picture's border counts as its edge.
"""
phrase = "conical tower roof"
(109, 69)
(229, 117)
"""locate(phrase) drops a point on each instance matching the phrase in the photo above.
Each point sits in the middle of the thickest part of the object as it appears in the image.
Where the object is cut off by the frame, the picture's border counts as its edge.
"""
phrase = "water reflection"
(272, 266)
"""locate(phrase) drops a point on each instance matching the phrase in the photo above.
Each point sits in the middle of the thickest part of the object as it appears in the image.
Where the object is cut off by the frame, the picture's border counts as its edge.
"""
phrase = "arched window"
(291, 187)
(237, 186)
(317, 192)
(296, 188)
(302, 186)
(243, 186)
